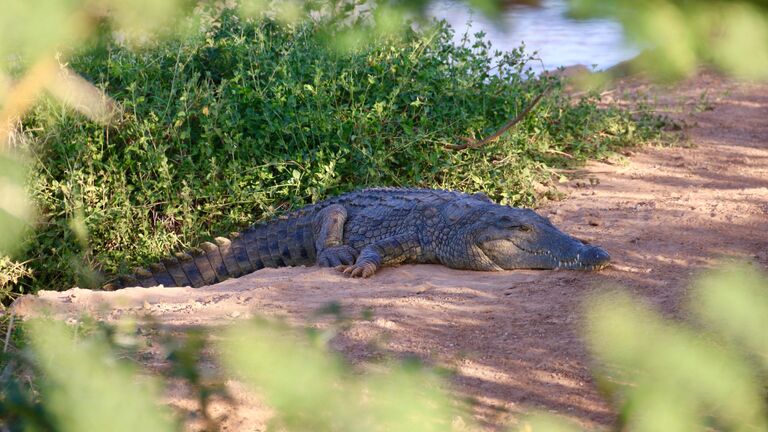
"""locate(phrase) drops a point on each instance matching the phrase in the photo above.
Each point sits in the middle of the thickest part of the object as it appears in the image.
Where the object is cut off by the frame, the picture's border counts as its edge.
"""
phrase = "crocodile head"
(516, 238)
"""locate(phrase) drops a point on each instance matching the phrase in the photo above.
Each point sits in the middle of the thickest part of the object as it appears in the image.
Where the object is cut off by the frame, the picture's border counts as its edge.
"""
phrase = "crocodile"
(360, 232)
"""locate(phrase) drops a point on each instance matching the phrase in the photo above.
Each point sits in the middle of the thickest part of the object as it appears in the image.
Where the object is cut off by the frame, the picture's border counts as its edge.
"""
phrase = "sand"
(513, 338)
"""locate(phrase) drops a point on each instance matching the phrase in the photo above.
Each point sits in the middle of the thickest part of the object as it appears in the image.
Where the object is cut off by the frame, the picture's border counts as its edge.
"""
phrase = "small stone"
(146, 305)
(234, 314)
(594, 222)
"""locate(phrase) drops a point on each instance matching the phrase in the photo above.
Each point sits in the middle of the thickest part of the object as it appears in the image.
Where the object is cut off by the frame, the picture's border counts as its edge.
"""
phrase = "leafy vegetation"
(708, 373)
(242, 119)
(314, 391)
(731, 35)
(11, 272)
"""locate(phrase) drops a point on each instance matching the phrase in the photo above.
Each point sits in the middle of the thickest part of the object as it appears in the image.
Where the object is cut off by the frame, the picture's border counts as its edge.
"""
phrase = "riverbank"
(512, 338)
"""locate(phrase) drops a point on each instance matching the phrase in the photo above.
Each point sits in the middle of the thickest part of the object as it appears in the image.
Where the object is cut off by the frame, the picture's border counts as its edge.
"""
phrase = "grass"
(240, 120)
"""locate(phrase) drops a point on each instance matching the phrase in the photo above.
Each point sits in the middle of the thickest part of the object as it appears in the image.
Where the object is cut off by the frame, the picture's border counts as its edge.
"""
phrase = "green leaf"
(734, 303)
(311, 390)
(15, 209)
(87, 389)
(673, 377)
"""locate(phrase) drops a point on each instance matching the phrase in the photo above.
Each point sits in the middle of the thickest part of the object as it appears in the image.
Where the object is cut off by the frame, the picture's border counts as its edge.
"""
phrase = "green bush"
(239, 120)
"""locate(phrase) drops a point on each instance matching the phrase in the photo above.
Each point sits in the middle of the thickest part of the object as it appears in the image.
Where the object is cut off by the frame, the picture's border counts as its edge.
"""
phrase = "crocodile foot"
(336, 256)
(364, 270)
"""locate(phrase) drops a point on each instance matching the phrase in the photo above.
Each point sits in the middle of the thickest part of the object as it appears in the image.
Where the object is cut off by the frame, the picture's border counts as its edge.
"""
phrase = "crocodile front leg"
(387, 252)
(329, 229)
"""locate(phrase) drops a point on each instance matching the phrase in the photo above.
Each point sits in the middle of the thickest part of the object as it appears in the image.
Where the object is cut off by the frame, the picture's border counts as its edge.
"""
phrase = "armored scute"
(362, 231)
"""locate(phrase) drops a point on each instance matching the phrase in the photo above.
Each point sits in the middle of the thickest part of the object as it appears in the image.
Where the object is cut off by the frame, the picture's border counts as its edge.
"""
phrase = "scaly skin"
(360, 232)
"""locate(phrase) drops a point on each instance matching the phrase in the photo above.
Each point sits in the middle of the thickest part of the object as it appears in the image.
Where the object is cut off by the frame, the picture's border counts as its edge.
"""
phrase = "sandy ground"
(512, 338)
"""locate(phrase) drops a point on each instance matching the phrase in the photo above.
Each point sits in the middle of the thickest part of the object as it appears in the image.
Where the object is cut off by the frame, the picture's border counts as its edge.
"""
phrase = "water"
(546, 29)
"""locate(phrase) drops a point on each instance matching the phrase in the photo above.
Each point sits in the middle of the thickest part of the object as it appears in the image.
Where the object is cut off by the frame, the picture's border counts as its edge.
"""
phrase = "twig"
(558, 152)
(8, 333)
(472, 143)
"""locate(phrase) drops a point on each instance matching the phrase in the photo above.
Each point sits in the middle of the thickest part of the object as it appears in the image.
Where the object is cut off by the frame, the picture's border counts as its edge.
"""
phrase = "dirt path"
(513, 337)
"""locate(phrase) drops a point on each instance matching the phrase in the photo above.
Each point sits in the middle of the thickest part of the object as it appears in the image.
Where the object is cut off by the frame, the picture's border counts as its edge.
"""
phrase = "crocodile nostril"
(596, 256)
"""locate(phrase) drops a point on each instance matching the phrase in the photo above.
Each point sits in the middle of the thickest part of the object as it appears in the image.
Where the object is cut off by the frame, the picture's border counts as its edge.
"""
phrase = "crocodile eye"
(506, 222)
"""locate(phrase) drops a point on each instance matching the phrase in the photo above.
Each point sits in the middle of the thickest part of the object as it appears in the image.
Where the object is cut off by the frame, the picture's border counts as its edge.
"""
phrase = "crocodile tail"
(286, 241)
(210, 263)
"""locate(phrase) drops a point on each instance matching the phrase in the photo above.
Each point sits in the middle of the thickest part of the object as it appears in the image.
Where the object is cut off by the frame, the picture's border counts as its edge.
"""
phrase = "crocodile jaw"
(510, 255)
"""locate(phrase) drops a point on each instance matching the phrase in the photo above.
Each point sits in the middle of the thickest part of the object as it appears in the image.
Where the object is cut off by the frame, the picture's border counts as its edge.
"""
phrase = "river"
(546, 29)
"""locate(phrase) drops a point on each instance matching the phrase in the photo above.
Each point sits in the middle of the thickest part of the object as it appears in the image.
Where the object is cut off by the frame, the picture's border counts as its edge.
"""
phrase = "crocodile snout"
(595, 257)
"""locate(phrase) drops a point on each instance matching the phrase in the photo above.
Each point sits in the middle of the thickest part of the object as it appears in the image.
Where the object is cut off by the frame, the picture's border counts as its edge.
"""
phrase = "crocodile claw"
(364, 270)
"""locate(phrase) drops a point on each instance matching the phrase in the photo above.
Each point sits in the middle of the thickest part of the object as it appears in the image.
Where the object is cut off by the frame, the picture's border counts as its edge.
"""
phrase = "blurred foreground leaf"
(30, 28)
(15, 208)
(87, 389)
(734, 302)
(546, 423)
(680, 34)
(668, 376)
(310, 390)
(139, 17)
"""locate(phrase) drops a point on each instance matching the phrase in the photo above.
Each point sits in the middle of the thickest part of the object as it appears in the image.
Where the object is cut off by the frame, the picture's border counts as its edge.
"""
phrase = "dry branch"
(472, 143)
